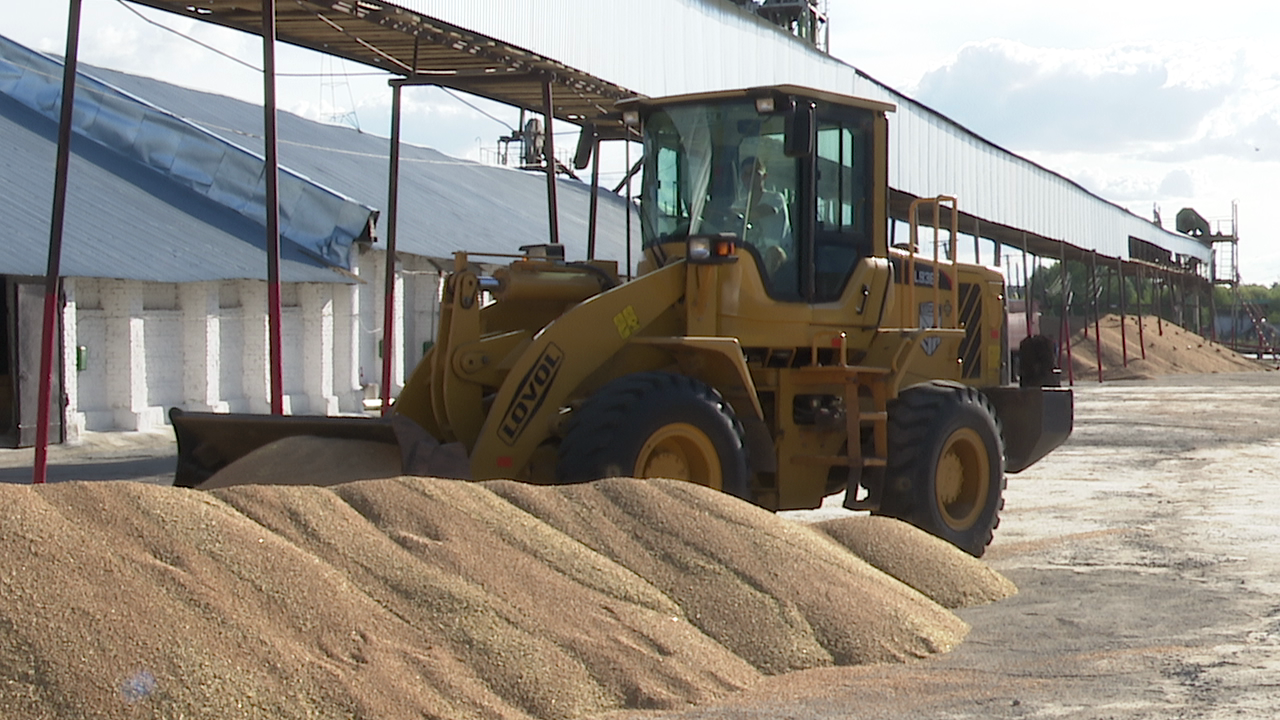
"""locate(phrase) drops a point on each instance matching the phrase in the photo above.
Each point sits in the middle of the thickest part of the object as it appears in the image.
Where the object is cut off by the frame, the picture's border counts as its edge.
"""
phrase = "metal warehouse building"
(164, 262)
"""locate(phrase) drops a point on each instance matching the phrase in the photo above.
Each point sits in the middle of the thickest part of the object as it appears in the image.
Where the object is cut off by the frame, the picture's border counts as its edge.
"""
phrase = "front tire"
(656, 425)
(946, 464)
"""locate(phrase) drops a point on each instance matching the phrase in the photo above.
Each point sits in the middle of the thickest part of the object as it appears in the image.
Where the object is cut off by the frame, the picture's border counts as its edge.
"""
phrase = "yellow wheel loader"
(773, 344)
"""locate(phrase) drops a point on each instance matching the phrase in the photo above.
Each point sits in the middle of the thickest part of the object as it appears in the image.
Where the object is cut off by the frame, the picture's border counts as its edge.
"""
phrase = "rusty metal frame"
(401, 42)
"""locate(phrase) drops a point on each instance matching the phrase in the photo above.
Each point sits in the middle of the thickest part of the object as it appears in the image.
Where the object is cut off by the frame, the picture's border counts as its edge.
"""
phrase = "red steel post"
(1124, 342)
(1097, 327)
(48, 341)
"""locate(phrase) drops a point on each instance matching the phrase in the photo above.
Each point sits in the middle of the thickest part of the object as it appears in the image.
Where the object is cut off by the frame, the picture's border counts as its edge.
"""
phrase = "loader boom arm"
(561, 356)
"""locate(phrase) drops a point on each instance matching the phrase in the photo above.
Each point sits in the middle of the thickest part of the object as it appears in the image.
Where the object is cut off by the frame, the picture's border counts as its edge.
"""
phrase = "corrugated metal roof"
(446, 204)
(123, 220)
(312, 216)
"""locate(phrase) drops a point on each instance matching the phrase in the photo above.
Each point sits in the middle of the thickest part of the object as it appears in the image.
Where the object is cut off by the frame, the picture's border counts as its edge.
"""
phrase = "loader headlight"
(716, 249)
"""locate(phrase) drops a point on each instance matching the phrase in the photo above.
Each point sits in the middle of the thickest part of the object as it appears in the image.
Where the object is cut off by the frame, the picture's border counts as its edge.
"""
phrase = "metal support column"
(549, 150)
(1155, 284)
(1026, 285)
(1181, 300)
(1124, 342)
(389, 284)
(1097, 325)
(272, 207)
(1142, 339)
(1199, 312)
(1235, 315)
(1066, 319)
(1213, 310)
(628, 181)
(595, 197)
(48, 341)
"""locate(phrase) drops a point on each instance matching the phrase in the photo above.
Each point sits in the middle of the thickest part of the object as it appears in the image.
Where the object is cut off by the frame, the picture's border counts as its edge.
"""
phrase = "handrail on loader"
(954, 233)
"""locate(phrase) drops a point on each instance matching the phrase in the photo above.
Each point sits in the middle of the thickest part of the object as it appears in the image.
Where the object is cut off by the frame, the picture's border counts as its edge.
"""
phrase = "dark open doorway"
(8, 435)
(21, 311)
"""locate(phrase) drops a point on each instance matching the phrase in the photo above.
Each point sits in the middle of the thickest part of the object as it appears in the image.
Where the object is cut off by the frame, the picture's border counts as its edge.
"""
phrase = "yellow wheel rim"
(963, 479)
(680, 451)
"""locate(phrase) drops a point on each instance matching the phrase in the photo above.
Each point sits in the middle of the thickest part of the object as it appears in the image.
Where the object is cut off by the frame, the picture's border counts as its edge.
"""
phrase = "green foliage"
(1047, 285)
(1091, 288)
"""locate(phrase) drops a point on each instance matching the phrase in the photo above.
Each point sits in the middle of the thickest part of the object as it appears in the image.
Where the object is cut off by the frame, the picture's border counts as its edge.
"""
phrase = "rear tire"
(946, 464)
(656, 424)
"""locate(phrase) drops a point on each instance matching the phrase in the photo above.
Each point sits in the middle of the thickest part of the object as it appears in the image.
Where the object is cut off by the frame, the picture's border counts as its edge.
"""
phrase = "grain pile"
(306, 460)
(774, 592)
(1173, 352)
(949, 576)
(416, 597)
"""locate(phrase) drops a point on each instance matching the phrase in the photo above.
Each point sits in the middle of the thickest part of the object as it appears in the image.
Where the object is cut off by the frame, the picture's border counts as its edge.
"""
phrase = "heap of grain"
(774, 592)
(422, 597)
(307, 460)
(949, 576)
(1161, 348)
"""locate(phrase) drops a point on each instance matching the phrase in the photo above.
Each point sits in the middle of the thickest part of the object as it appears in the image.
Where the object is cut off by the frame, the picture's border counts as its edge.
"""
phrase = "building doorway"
(8, 419)
(22, 311)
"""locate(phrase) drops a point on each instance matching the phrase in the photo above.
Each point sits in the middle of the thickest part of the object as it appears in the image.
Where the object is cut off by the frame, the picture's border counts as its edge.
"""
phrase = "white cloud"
(1177, 184)
(1251, 139)
(1113, 99)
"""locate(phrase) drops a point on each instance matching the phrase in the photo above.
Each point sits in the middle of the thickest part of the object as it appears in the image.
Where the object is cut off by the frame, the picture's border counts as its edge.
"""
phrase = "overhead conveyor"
(421, 48)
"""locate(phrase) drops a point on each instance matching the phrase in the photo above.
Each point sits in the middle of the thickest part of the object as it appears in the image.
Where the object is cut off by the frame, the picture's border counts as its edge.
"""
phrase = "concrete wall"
(204, 346)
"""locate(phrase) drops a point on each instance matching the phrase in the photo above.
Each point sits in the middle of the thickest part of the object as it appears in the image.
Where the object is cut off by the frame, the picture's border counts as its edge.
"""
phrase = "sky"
(1151, 105)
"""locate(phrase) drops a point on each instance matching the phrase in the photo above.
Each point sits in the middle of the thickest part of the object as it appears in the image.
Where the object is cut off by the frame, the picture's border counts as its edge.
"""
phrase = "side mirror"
(799, 138)
(586, 146)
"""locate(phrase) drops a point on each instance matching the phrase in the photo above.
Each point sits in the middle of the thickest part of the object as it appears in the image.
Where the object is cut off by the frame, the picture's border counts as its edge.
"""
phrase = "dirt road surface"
(140, 456)
(1147, 551)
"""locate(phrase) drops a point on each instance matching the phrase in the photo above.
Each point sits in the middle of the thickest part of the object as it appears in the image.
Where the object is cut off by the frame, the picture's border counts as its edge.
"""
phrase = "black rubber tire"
(605, 437)
(925, 422)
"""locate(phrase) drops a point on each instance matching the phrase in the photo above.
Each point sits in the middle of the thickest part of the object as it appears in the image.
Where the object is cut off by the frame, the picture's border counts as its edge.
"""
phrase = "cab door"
(849, 283)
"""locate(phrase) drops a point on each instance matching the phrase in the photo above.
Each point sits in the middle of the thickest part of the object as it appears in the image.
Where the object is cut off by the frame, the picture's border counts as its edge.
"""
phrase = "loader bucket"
(1034, 421)
(208, 442)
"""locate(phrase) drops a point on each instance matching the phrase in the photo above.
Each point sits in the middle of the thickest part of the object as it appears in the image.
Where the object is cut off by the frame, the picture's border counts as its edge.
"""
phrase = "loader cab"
(796, 175)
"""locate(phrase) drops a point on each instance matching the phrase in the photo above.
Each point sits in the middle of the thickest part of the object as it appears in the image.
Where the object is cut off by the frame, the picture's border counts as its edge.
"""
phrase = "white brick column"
(346, 342)
(201, 347)
(425, 313)
(369, 314)
(72, 419)
(125, 354)
(316, 303)
(401, 333)
(398, 325)
(257, 354)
